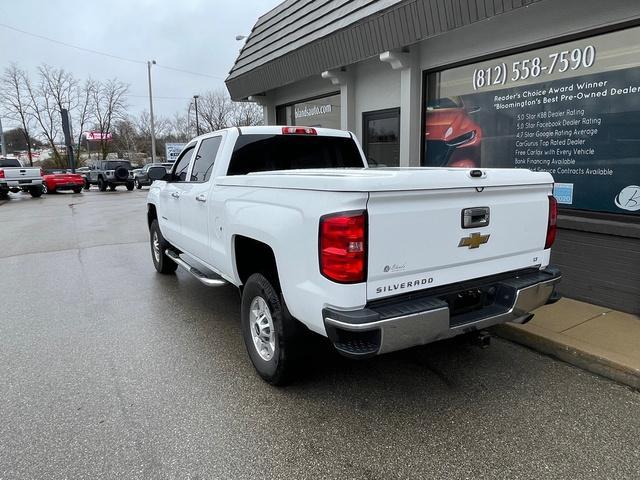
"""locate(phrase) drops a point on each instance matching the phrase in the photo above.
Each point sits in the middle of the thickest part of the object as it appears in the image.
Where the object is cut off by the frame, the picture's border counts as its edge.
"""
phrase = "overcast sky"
(195, 35)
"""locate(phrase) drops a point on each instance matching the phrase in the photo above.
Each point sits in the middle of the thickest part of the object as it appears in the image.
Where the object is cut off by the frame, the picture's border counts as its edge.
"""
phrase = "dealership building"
(549, 85)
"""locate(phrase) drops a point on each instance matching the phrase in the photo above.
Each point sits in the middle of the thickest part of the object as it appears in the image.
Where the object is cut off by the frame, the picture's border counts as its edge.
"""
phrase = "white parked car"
(376, 260)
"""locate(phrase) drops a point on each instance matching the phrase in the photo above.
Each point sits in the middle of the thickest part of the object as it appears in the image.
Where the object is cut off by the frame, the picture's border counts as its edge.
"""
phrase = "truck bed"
(386, 179)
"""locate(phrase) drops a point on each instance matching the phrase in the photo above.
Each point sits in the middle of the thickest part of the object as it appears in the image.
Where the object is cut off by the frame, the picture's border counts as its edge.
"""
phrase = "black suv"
(109, 173)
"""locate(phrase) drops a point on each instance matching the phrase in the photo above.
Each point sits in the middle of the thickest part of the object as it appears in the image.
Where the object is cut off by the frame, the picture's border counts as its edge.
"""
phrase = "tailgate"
(417, 239)
(21, 173)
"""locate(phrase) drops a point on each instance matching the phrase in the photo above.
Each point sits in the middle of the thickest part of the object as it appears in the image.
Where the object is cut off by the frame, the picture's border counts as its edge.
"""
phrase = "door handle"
(175, 195)
(201, 198)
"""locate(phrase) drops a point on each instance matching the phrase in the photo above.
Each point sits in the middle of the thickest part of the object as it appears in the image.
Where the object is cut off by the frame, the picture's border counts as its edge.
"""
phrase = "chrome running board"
(208, 281)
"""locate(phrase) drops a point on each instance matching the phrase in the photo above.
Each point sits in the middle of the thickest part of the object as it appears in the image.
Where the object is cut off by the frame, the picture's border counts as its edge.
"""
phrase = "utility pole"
(153, 130)
(4, 146)
(195, 99)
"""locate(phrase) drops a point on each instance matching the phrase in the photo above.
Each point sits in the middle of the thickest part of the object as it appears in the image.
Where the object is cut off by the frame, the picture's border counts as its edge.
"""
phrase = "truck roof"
(277, 130)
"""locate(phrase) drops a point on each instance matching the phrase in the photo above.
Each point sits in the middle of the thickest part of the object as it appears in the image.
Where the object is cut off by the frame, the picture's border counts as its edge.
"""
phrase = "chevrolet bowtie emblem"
(474, 240)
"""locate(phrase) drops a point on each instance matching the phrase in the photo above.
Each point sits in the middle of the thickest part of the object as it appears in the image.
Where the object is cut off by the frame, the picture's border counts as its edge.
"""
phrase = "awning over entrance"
(301, 38)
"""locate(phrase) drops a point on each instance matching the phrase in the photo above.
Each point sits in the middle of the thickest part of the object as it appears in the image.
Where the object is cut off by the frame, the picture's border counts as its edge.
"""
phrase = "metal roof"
(301, 38)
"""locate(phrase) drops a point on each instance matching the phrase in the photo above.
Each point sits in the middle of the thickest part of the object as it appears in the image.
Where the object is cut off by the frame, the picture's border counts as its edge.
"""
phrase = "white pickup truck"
(14, 178)
(376, 260)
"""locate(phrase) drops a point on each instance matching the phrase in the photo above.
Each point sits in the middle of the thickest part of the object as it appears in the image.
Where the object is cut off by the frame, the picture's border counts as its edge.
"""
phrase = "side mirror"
(157, 173)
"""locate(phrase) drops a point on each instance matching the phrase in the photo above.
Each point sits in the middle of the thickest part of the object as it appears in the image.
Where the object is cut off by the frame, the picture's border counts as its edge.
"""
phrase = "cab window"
(206, 157)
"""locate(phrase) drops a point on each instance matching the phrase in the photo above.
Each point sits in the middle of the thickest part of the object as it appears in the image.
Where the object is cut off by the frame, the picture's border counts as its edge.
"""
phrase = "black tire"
(112, 187)
(137, 183)
(4, 194)
(36, 191)
(77, 190)
(129, 186)
(87, 185)
(280, 368)
(102, 185)
(162, 263)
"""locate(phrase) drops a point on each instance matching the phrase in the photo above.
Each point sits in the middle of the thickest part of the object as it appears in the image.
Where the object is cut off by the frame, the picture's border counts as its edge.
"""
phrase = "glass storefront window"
(318, 112)
(571, 109)
(381, 141)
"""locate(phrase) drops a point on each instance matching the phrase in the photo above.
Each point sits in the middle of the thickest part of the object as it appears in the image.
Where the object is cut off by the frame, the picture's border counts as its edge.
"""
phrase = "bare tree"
(84, 110)
(109, 103)
(246, 114)
(15, 102)
(182, 128)
(44, 109)
(215, 110)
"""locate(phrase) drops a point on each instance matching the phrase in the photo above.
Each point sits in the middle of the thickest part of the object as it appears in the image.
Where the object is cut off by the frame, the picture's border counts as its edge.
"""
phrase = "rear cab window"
(9, 163)
(271, 152)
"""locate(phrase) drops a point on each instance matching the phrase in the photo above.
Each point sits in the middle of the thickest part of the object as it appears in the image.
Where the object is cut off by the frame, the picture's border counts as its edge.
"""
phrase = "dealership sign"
(172, 151)
(98, 136)
(572, 110)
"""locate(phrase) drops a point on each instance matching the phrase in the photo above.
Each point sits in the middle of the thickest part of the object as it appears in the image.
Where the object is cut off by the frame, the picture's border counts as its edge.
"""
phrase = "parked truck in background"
(15, 178)
(377, 260)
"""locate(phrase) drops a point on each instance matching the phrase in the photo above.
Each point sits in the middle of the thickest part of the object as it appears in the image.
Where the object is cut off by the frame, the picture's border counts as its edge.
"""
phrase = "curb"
(574, 352)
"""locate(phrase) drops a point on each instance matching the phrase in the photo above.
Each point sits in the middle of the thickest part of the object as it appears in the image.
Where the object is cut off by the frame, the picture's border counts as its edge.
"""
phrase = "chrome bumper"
(403, 324)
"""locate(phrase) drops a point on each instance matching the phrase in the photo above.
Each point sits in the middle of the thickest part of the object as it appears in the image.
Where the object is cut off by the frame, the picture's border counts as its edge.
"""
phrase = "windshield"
(262, 153)
(9, 163)
(112, 165)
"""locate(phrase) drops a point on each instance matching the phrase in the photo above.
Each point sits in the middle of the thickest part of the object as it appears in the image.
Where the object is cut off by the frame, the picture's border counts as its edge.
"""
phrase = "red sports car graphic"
(452, 137)
(57, 181)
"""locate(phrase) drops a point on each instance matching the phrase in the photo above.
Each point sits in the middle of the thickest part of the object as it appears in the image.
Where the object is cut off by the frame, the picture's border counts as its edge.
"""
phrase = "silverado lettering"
(403, 285)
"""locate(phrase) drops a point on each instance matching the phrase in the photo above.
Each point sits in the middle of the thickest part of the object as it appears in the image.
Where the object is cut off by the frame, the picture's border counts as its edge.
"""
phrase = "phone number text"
(560, 62)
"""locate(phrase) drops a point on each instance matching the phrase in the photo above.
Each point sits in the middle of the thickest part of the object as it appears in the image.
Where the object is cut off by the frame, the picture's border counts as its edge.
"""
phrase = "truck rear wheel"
(36, 191)
(162, 263)
(102, 185)
(268, 330)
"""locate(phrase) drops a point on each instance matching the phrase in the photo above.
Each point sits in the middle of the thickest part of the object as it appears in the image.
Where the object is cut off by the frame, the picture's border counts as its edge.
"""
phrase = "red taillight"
(553, 220)
(343, 247)
(299, 131)
(1, 173)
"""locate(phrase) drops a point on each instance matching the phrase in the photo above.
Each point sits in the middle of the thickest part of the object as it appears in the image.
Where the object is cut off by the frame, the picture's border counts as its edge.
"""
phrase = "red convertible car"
(452, 137)
(57, 181)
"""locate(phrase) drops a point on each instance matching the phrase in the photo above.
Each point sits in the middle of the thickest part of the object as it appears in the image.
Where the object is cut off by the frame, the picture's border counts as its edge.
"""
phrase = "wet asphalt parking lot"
(109, 370)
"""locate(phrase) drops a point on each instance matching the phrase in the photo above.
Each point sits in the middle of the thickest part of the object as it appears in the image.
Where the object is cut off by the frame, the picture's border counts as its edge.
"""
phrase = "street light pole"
(195, 99)
(153, 130)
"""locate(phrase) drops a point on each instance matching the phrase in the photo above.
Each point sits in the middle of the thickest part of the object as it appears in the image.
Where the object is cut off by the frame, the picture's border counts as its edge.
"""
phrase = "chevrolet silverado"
(375, 259)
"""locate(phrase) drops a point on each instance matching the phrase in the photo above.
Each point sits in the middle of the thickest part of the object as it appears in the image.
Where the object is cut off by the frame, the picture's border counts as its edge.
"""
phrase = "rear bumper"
(21, 183)
(398, 324)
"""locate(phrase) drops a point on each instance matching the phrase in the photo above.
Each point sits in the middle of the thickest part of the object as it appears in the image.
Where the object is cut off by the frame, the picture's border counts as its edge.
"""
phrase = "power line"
(189, 72)
(42, 37)
(97, 52)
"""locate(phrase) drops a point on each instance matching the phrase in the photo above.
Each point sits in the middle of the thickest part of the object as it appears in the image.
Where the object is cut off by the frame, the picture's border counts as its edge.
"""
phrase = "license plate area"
(24, 181)
(469, 305)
